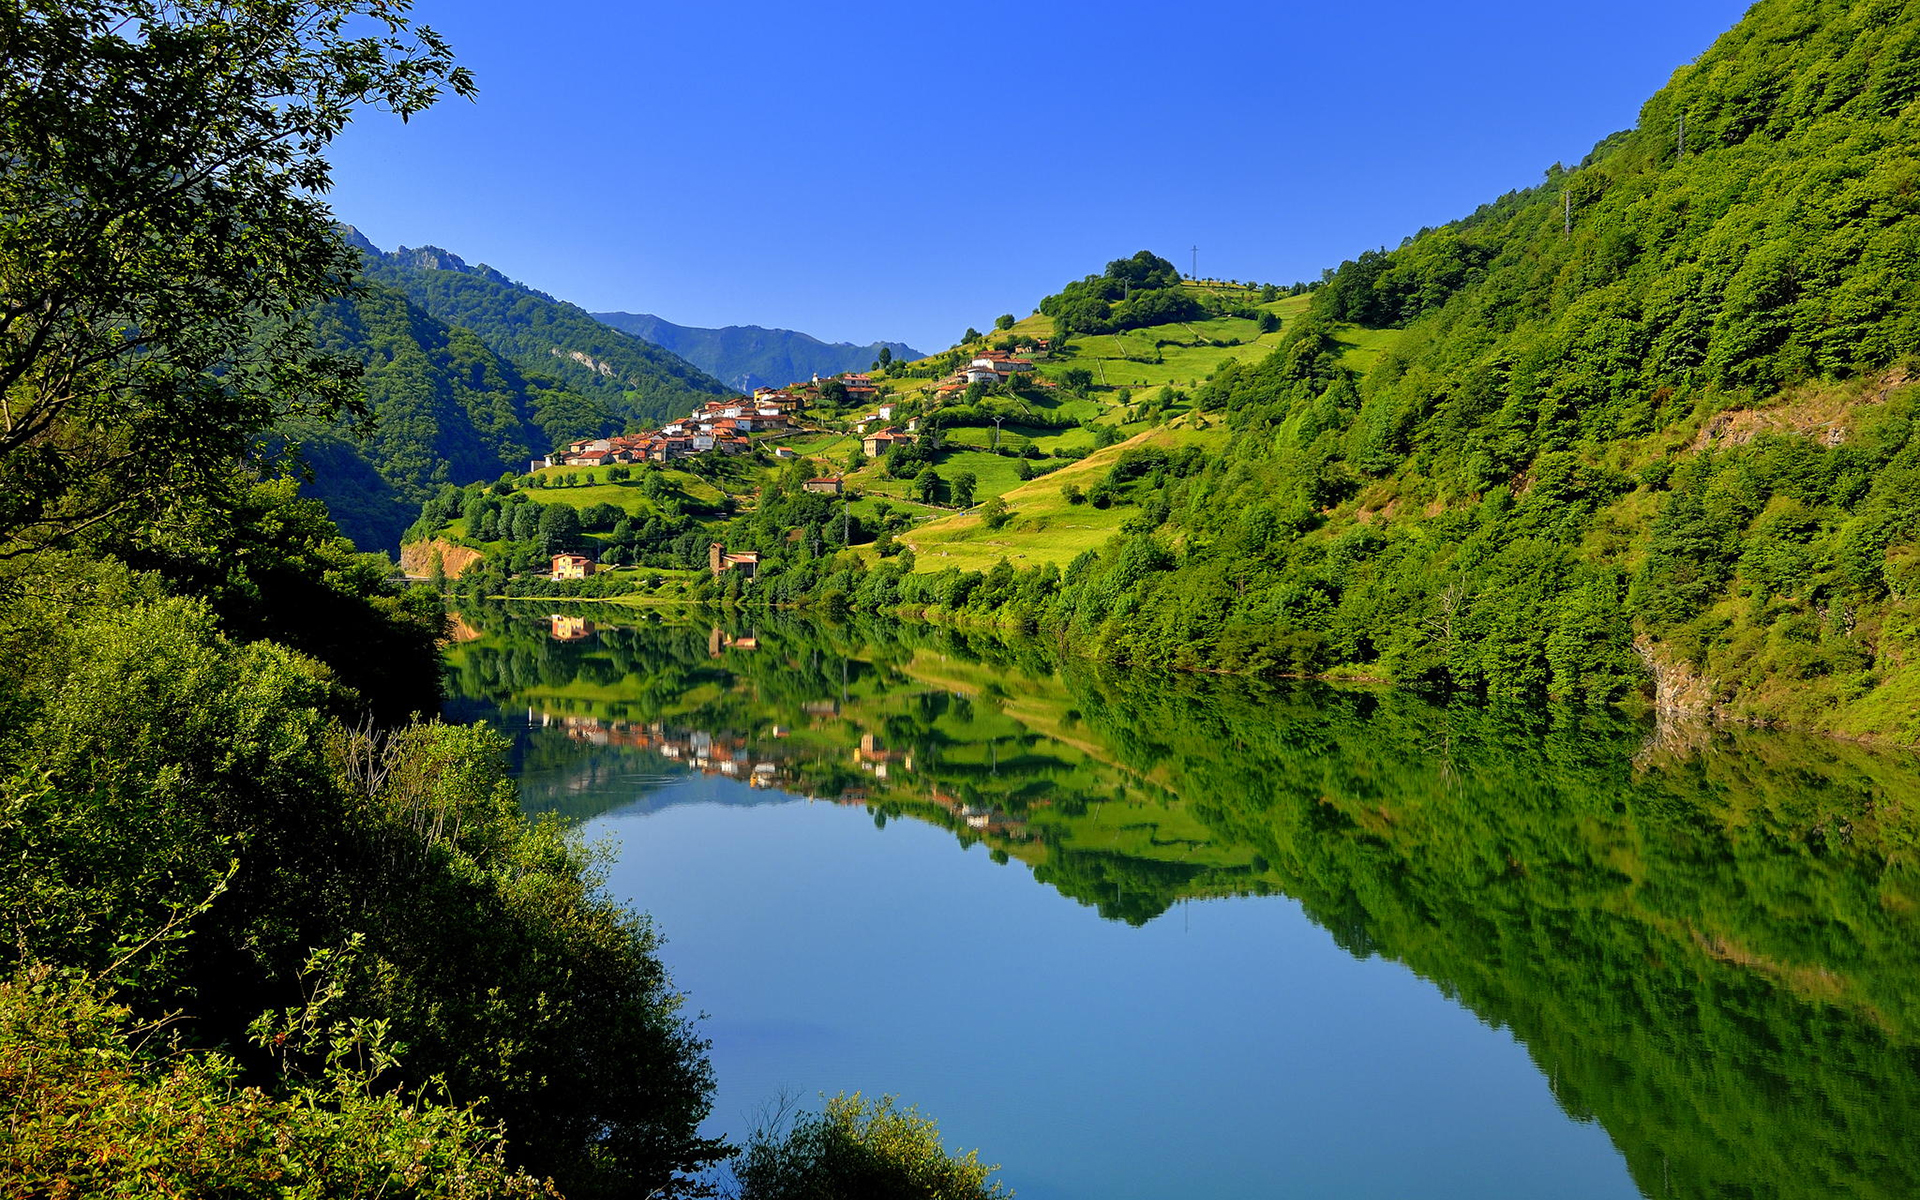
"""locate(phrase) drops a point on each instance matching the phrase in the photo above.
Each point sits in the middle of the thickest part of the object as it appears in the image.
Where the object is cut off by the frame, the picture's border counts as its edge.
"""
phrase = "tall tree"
(161, 232)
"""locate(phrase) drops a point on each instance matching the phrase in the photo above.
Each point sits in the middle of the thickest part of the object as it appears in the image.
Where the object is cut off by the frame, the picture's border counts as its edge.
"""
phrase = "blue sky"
(868, 171)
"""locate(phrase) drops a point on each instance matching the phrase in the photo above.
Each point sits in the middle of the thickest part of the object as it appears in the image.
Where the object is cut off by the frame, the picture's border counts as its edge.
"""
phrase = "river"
(1166, 937)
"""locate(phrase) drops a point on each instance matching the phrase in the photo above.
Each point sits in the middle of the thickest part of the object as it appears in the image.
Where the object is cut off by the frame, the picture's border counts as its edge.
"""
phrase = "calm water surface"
(1164, 938)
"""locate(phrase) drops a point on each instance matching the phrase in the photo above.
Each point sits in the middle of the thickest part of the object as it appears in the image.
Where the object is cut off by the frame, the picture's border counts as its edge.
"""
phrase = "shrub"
(859, 1148)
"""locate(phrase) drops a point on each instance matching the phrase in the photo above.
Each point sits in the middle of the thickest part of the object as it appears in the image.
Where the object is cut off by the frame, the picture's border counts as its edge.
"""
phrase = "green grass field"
(625, 494)
(994, 474)
(1045, 528)
(1365, 347)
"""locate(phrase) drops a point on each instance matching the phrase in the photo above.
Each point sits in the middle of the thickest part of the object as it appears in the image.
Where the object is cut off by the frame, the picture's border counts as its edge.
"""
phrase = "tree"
(164, 235)
(962, 487)
(995, 513)
(886, 358)
(972, 335)
(926, 486)
(1003, 321)
(559, 528)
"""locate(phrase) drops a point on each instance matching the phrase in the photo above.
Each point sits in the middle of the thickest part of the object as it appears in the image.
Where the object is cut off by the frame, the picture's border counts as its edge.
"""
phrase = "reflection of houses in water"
(697, 749)
(569, 629)
(983, 818)
(719, 640)
(872, 755)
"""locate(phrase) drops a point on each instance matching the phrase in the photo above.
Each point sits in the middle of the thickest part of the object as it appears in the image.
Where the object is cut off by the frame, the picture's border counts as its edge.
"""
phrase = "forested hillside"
(444, 409)
(748, 356)
(1645, 426)
(622, 377)
(468, 390)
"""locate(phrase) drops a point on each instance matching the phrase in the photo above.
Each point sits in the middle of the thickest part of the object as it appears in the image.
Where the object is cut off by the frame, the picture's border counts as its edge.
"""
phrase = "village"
(735, 426)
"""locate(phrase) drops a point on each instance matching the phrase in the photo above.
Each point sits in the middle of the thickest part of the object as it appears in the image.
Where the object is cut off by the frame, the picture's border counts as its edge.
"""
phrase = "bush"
(156, 775)
(858, 1148)
(88, 1114)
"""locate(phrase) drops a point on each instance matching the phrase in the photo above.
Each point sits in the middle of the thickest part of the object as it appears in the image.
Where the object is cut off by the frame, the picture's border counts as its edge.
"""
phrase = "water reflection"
(1707, 942)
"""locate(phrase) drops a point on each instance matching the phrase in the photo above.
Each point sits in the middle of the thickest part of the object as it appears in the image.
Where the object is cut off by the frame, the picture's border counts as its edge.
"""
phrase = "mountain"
(445, 409)
(1647, 429)
(748, 356)
(624, 378)
(467, 375)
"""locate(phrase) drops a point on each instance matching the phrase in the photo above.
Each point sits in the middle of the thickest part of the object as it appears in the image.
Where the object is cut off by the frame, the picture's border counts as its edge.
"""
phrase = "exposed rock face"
(416, 558)
(584, 359)
(1678, 689)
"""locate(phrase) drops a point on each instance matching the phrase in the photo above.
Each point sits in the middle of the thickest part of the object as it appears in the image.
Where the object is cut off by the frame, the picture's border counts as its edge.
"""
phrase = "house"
(783, 452)
(876, 444)
(719, 561)
(826, 485)
(981, 373)
(571, 566)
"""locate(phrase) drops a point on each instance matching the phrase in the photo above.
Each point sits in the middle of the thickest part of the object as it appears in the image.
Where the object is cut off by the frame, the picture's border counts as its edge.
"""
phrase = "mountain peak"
(359, 241)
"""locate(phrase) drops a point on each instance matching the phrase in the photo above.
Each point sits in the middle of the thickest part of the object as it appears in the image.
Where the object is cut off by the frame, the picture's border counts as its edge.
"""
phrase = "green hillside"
(1645, 428)
(444, 409)
(1643, 431)
(749, 356)
(620, 376)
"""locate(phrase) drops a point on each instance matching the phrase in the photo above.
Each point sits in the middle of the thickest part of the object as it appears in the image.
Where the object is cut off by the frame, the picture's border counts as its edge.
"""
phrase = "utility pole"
(1196, 264)
(1683, 137)
(996, 435)
(846, 520)
(1566, 210)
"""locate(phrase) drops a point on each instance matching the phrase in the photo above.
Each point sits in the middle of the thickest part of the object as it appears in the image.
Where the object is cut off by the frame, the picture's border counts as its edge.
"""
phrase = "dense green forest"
(622, 378)
(443, 409)
(748, 357)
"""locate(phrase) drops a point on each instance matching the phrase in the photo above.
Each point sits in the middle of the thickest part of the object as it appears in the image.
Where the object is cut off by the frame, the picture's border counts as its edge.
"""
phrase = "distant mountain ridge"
(751, 356)
(624, 378)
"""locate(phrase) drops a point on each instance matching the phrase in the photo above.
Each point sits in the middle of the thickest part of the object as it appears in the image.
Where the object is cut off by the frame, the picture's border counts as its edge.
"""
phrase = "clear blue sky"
(902, 171)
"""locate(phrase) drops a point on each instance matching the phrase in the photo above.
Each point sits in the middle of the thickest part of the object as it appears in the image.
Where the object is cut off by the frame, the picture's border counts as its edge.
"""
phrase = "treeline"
(1132, 293)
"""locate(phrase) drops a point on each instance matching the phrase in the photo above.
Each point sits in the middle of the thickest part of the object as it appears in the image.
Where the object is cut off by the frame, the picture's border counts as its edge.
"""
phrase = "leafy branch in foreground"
(161, 231)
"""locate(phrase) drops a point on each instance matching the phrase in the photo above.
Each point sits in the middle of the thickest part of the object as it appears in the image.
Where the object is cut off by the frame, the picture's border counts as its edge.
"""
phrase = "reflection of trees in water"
(1705, 940)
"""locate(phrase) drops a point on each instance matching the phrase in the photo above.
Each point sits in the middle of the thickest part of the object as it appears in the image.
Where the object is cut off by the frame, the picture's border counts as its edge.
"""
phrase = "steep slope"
(549, 341)
(445, 410)
(1644, 427)
(749, 356)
